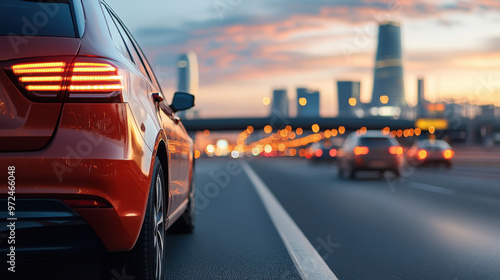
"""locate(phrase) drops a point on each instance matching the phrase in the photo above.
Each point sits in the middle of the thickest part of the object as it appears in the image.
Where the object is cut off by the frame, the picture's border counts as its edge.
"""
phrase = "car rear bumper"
(97, 151)
(42, 225)
(377, 163)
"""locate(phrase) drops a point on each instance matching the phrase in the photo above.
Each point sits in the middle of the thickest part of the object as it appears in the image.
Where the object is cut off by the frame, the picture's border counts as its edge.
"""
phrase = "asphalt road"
(432, 224)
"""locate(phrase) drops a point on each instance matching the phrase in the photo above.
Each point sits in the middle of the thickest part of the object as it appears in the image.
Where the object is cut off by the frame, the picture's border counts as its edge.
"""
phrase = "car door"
(179, 143)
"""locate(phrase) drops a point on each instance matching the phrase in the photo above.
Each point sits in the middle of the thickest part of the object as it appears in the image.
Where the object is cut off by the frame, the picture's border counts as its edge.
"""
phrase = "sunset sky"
(248, 47)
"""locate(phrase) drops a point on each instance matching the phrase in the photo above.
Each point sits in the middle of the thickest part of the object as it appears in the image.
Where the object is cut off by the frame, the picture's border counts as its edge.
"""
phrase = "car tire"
(147, 259)
(185, 224)
(350, 173)
(340, 172)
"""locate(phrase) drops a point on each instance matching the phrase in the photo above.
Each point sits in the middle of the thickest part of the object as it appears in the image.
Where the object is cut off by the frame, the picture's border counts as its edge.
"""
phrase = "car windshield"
(375, 141)
(36, 18)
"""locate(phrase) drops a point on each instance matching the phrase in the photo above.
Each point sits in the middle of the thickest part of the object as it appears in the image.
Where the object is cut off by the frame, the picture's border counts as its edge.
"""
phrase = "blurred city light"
(210, 149)
(266, 100)
(384, 99)
(268, 129)
(432, 129)
(341, 130)
(315, 128)
(268, 148)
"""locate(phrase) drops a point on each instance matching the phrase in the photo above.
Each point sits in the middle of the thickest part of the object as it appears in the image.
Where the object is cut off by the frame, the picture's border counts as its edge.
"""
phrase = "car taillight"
(80, 79)
(448, 154)
(361, 151)
(93, 79)
(318, 153)
(333, 152)
(422, 154)
(396, 150)
(42, 79)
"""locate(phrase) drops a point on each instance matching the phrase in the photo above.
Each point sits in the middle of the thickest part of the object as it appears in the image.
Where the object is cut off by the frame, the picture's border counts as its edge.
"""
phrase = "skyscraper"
(188, 79)
(421, 105)
(348, 94)
(307, 103)
(388, 84)
(280, 104)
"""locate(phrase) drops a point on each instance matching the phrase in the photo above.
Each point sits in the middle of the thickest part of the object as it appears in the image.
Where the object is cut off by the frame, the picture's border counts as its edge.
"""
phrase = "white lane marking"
(308, 262)
(431, 188)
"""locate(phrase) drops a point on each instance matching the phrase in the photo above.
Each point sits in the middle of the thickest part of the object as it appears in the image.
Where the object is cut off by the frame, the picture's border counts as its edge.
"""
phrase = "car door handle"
(157, 97)
(175, 119)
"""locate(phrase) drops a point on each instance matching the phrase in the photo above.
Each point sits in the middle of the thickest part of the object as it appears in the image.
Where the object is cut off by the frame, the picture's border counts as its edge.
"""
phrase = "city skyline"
(248, 49)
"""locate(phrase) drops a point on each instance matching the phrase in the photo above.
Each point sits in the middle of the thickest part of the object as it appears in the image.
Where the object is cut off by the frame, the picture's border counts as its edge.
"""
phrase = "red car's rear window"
(36, 18)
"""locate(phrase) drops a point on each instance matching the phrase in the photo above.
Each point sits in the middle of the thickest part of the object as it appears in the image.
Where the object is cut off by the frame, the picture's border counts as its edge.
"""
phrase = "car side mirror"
(182, 101)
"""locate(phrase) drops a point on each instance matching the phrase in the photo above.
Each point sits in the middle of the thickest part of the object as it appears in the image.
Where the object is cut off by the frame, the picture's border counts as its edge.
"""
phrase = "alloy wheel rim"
(159, 228)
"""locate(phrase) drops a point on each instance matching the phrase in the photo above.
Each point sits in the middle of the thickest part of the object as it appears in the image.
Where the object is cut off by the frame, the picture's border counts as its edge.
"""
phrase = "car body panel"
(102, 151)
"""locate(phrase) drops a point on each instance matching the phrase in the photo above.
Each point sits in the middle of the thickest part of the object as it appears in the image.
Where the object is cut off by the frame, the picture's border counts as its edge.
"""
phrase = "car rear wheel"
(147, 259)
(349, 173)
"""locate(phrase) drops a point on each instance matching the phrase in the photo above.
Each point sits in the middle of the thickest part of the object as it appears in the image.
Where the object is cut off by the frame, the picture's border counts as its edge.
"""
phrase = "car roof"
(374, 134)
(433, 143)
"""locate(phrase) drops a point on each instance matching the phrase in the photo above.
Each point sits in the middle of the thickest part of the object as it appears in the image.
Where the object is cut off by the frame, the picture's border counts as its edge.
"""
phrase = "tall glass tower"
(188, 79)
(281, 103)
(187, 66)
(388, 84)
(307, 103)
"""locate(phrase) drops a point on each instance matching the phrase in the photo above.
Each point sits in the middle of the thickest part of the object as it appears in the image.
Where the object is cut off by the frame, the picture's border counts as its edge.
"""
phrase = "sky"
(247, 48)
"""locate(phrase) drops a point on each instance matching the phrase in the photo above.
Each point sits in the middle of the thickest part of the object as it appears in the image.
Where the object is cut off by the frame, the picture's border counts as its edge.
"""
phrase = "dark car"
(323, 151)
(96, 158)
(369, 151)
(431, 152)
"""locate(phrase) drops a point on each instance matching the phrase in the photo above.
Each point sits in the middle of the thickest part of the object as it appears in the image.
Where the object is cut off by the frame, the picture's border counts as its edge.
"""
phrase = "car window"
(148, 68)
(375, 141)
(36, 18)
(138, 51)
(115, 35)
(130, 46)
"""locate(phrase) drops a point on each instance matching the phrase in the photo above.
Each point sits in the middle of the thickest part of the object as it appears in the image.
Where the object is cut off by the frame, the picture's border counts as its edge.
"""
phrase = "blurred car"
(370, 151)
(101, 162)
(431, 151)
(322, 152)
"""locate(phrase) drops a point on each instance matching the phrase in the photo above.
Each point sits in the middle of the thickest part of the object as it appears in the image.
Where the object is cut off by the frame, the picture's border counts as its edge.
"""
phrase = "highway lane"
(432, 224)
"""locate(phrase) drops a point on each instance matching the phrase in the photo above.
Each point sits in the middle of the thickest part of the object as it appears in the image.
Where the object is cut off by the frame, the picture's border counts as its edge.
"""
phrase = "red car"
(93, 155)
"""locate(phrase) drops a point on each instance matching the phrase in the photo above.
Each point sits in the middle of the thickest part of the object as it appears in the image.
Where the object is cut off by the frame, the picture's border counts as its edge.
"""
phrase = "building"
(348, 97)
(487, 113)
(188, 78)
(280, 105)
(421, 101)
(307, 103)
(388, 96)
